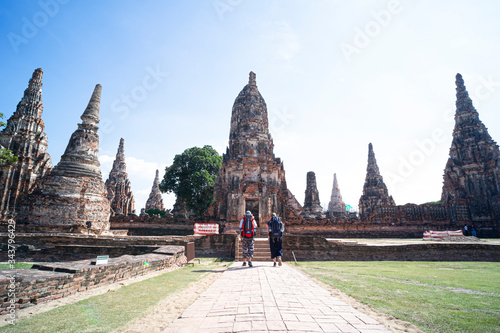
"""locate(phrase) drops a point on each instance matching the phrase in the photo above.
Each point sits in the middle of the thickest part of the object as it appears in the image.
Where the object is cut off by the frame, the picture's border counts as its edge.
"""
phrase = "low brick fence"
(46, 282)
(317, 248)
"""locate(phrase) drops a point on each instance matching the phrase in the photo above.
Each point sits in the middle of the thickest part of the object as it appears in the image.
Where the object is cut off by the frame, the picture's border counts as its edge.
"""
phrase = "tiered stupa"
(120, 194)
(472, 173)
(251, 177)
(375, 194)
(24, 135)
(72, 197)
(155, 200)
(336, 205)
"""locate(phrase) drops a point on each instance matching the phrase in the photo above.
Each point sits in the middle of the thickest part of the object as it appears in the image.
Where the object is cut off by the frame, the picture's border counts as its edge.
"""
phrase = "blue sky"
(335, 75)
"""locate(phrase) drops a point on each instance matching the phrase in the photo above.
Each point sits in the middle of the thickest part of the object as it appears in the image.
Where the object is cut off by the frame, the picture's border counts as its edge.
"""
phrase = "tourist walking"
(275, 230)
(247, 228)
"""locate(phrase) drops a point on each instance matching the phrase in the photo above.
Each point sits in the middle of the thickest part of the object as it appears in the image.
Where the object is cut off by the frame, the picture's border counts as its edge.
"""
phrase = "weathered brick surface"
(47, 282)
(73, 193)
(251, 177)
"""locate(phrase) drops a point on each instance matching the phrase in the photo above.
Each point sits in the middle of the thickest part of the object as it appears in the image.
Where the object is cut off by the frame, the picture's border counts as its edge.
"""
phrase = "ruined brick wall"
(44, 283)
(315, 248)
(216, 246)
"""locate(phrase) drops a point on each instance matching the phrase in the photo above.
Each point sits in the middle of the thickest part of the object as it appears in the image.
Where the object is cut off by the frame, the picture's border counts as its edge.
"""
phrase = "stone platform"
(264, 298)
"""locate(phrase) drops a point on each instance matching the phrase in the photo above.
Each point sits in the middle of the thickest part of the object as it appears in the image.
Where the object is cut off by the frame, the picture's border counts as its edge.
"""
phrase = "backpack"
(248, 228)
(275, 227)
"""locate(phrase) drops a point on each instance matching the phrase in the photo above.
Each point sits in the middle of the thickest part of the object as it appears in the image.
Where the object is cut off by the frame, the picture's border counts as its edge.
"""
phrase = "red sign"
(206, 228)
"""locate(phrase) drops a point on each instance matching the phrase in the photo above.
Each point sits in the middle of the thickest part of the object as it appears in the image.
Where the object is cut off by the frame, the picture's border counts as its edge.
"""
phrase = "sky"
(335, 75)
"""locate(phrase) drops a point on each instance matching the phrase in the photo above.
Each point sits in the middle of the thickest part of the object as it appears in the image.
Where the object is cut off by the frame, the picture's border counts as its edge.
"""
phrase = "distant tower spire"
(375, 193)
(155, 200)
(312, 206)
(24, 135)
(118, 185)
(336, 204)
(472, 173)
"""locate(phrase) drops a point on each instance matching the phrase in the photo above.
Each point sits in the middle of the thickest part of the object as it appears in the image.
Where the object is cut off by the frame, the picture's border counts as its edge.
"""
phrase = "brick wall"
(316, 248)
(46, 282)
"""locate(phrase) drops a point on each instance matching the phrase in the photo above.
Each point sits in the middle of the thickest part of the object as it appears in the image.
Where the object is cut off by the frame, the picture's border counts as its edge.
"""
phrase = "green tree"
(192, 177)
(6, 155)
(156, 211)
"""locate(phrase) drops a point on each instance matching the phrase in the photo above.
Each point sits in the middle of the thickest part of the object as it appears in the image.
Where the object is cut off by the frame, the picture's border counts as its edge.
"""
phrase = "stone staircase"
(261, 250)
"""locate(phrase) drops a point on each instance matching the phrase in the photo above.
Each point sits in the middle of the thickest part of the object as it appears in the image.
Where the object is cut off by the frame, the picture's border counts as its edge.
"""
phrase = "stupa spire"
(472, 173)
(251, 80)
(81, 153)
(155, 200)
(72, 198)
(336, 204)
(91, 113)
(375, 193)
(312, 206)
(24, 135)
(118, 185)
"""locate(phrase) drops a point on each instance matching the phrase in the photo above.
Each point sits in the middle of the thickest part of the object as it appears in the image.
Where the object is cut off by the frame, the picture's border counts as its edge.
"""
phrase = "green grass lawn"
(114, 309)
(435, 296)
(17, 265)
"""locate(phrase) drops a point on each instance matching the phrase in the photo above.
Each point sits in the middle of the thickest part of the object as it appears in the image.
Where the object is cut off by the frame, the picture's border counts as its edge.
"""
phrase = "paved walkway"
(270, 299)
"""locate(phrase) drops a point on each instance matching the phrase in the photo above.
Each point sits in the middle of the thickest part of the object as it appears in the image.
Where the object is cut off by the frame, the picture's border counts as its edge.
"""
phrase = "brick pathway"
(270, 299)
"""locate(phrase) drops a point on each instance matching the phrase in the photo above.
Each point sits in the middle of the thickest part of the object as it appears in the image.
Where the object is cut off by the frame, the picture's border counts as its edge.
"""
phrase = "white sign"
(102, 260)
(206, 228)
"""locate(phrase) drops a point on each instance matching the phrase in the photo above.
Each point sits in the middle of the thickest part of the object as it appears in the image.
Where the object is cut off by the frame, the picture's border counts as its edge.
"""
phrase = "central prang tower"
(251, 177)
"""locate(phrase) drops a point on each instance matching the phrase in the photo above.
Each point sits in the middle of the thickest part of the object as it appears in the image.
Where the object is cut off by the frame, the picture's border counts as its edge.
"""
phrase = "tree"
(156, 211)
(6, 155)
(192, 177)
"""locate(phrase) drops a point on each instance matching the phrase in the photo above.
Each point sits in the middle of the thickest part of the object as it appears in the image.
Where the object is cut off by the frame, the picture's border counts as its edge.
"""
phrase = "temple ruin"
(336, 205)
(155, 200)
(24, 135)
(375, 194)
(251, 177)
(118, 186)
(471, 186)
(72, 197)
(312, 206)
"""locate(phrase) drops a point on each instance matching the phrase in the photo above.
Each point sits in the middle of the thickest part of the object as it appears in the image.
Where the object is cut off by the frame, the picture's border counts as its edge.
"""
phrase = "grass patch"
(114, 309)
(17, 265)
(435, 296)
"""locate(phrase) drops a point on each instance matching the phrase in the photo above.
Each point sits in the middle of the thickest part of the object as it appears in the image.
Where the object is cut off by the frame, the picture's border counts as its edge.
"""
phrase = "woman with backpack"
(275, 229)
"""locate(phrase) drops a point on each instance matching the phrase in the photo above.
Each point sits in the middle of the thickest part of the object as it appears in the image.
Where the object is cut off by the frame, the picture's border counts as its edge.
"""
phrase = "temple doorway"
(253, 206)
